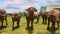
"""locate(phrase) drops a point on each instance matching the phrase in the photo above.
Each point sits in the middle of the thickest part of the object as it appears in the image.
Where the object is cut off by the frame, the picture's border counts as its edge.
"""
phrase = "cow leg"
(43, 20)
(6, 22)
(13, 24)
(37, 20)
(32, 24)
(58, 25)
(2, 23)
(53, 25)
(18, 23)
(28, 21)
(48, 24)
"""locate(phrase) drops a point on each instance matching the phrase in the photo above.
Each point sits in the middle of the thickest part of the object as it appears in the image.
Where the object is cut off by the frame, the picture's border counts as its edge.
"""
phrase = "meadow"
(38, 28)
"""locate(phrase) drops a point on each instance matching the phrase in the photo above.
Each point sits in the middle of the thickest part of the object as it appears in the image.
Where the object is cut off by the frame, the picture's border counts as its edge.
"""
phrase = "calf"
(31, 14)
(53, 17)
(44, 17)
(3, 16)
(15, 17)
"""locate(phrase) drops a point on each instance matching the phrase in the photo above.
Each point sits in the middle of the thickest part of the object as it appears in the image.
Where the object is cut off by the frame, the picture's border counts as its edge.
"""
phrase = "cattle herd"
(51, 16)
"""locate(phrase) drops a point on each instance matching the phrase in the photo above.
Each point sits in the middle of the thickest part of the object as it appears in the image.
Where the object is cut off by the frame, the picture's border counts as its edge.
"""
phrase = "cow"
(31, 14)
(15, 17)
(3, 16)
(44, 17)
(53, 17)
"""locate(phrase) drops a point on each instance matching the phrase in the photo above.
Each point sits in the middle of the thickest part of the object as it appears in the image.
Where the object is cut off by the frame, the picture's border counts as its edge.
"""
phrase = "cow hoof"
(31, 27)
(36, 23)
(2, 26)
(12, 27)
(6, 25)
(57, 28)
(17, 26)
(47, 28)
(27, 28)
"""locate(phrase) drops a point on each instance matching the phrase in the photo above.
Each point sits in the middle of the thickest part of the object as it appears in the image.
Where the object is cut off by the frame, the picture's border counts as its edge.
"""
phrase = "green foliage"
(57, 9)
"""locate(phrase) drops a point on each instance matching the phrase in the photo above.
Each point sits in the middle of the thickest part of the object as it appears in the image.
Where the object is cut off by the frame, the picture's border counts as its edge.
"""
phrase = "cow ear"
(28, 9)
(35, 9)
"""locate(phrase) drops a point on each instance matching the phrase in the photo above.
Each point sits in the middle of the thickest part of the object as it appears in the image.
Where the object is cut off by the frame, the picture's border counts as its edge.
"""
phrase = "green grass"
(38, 28)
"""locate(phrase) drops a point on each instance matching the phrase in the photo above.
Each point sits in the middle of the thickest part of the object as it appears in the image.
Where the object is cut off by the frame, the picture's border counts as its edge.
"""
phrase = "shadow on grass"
(14, 28)
(36, 22)
(30, 30)
(52, 30)
(44, 23)
(2, 27)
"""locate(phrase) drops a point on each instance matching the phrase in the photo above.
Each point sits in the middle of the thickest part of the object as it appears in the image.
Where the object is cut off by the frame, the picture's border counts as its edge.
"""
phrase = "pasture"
(38, 28)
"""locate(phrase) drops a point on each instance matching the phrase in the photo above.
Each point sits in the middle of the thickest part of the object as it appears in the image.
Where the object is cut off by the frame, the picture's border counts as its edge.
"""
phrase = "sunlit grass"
(38, 28)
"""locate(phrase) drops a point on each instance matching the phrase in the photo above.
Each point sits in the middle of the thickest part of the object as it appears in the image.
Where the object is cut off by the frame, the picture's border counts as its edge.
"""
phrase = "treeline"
(57, 9)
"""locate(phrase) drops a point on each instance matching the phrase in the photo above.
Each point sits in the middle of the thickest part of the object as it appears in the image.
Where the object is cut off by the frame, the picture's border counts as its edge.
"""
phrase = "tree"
(43, 8)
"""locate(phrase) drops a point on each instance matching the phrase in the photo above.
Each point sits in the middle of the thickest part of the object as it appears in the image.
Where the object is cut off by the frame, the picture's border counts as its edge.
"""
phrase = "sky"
(21, 5)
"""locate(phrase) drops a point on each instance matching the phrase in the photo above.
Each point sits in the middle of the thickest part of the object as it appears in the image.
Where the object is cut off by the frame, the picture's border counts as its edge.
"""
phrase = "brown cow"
(54, 17)
(31, 14)
(44, 17)
(3, 16)
(15, 17)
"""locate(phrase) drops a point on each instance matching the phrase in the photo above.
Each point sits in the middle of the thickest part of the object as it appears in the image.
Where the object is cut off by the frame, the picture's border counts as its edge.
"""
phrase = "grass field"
(38, 28)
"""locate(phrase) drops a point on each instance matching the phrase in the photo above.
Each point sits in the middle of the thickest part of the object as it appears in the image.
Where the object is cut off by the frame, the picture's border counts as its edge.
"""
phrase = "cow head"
(31, 9)
(15, 15)
(2, 12)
